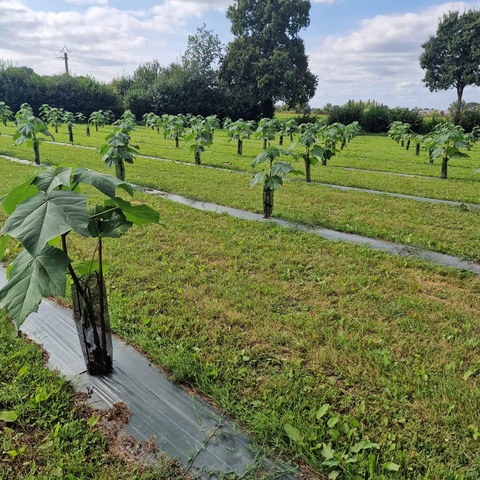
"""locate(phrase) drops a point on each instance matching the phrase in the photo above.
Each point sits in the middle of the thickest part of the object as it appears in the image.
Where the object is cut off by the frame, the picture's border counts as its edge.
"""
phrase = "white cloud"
(177, 12)
(88, 2)
(104, 41)
(379, 60)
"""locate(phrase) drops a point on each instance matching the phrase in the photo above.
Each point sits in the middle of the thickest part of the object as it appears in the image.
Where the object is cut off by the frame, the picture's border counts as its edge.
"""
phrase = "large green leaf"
(138, 214)
(51, 178)
(281, 169)
(18, 195)
(104, 183)
(108, 222)
(45, 216)
(257, 178)
(4, 239)
(31, 279)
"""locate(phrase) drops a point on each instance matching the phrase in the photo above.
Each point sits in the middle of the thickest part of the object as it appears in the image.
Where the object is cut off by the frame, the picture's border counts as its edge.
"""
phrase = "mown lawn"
(349, 360)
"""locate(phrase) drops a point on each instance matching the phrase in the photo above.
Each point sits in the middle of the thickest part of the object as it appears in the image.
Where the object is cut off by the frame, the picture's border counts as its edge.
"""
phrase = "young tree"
(28, 128)
(199, 138)
(70, 119)
(117, 150)
(52, 198)
(5, 113)
(238, 131)
(272, 177)
(99, 118)
(451, 57)
(447, 142)
(266, 131)
(266, 61)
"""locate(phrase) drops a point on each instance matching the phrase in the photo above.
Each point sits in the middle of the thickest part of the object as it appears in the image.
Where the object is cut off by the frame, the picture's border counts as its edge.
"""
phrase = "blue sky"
(358, 49)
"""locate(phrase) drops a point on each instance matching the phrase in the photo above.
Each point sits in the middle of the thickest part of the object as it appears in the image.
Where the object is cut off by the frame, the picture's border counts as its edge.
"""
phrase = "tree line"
(265, 63)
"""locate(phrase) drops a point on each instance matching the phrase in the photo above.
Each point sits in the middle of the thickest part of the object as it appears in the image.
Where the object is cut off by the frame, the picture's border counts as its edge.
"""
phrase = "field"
(352, 362)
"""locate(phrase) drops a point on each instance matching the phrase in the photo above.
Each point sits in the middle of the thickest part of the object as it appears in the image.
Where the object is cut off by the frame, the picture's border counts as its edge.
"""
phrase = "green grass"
(440, 228)
(274, 325)
(51, 437)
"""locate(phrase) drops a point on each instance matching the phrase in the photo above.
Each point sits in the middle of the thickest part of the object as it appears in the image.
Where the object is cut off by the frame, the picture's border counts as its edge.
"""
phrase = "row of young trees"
(320, 140)
(444, 142)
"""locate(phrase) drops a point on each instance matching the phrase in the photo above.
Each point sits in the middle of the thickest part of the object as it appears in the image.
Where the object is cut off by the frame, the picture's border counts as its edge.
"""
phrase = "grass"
(349, 360)
(50, 437)
(440, 228)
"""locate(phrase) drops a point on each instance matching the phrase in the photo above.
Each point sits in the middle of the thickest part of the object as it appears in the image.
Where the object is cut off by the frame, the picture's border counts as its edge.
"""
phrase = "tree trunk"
(267, 201)
(344, 143)
(96, 127)
(56, 128)
(308, 165)
(458, 109)
(197, 158)
(407, 147)
(90, 313)
(88, 130)
(120, 170)
(176, 141)
(36, 150)
(268, 109)
(403, 143)
(444, 167)
(239, 147)
(70, 133)
(417, 149)
(281, 140)
(430, 158)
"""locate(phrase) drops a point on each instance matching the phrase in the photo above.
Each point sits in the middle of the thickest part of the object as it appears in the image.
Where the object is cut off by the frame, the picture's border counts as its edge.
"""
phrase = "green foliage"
(451, 57)
(376, 118)
(5, 113)
(198, 139)
(272, 177)
(266, 61)
(99, 118)
(49, 206)
(240, 130)
(352, 111)
(28, 128)
(266, 131)
(117, 150)
(407, 115)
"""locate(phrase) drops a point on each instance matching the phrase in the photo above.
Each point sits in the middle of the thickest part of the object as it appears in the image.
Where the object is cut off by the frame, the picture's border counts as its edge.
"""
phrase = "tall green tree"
(266, 62)
(451, 57)
(204, 52)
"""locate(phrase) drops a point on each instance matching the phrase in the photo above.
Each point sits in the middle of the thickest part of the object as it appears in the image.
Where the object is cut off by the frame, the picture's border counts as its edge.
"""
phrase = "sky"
(359, 49)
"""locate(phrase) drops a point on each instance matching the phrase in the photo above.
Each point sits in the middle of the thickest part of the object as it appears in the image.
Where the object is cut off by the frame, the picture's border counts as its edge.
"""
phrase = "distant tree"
(5, 113)
(19, 85)
(451, 57)
(204, 52)
(266, 62)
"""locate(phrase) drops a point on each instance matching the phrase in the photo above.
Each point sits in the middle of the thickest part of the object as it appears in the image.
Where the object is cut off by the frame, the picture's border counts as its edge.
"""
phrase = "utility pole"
(65, 52)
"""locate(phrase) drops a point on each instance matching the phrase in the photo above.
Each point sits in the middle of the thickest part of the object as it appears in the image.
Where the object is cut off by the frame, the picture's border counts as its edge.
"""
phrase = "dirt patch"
(121, 445)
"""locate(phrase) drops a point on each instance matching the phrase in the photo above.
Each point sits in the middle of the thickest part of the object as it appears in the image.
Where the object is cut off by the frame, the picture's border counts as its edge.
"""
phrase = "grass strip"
(43, 434)
(351, 360)
(441, 228)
